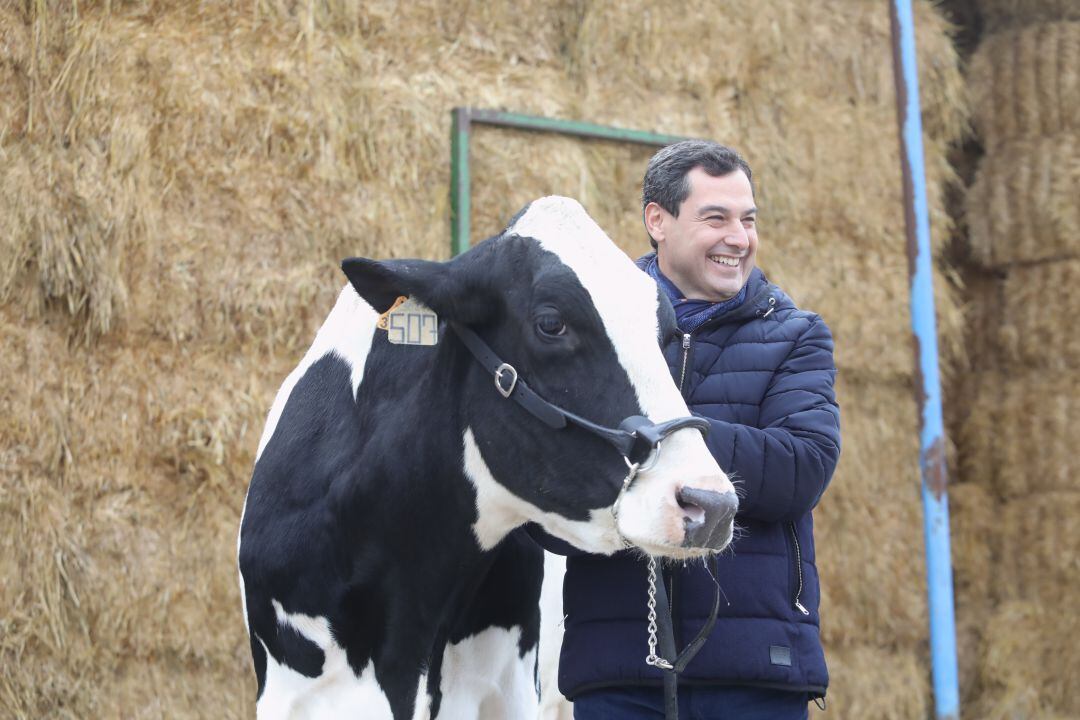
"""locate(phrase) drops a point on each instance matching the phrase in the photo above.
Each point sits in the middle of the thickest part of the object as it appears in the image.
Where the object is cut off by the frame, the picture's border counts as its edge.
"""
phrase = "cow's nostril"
(707, 516)
(692, 514)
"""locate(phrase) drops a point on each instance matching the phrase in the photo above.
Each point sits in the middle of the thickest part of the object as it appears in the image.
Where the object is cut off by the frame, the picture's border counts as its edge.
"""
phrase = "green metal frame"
(461, 134)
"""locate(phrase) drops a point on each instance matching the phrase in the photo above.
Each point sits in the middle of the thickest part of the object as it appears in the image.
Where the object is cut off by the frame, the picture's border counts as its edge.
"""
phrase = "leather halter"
(636, 438)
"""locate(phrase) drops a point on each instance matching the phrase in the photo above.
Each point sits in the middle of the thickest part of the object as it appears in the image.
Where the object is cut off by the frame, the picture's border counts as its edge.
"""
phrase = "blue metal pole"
(928, 390)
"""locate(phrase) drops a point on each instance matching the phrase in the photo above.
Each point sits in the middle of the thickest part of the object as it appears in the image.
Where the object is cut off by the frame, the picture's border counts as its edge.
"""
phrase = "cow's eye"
(550, 325)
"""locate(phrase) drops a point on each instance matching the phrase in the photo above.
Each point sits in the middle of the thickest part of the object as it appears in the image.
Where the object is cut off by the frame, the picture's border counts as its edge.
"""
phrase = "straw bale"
(1020, 435)
(1026, 82)
(1031, 333)
(1040, 558)
(974, 516)
(869, 523)
(975, 540)
(181, 179)
(869, 683)
(1029, 668)
(999, 14)
(120, 503)
(1022, 206)
(14, 54)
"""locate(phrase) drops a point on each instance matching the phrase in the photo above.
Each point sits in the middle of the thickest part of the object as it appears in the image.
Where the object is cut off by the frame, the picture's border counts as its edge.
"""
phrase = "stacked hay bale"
(1018, 439)
(179, 180)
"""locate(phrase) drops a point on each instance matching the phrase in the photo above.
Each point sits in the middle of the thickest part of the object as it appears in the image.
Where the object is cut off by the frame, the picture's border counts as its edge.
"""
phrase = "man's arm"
(781, 469)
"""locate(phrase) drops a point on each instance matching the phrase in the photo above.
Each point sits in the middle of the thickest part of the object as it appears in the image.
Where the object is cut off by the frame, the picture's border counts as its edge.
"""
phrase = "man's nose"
(738, 237)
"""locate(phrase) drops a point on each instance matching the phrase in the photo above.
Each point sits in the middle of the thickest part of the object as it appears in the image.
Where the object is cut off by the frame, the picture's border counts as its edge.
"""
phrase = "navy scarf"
(691, 314)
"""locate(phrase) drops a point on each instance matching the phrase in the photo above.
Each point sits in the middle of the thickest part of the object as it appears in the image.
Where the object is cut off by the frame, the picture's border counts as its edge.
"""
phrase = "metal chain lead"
(652, 658)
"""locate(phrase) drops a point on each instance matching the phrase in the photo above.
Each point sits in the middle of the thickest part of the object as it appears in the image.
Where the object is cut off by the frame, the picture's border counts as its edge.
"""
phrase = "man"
(761, 371)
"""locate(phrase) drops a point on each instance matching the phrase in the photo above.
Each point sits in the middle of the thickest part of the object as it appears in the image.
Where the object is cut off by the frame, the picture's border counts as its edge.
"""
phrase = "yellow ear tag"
(410, 322)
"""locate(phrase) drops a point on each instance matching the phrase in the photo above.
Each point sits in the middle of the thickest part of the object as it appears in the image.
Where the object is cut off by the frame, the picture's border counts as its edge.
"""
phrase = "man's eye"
(550, 325)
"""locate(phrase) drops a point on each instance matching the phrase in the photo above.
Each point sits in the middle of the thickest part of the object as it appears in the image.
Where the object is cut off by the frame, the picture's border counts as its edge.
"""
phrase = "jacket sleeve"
(781, 467)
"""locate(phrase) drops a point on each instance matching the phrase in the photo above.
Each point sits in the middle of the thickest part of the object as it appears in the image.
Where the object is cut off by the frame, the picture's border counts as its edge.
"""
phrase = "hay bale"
(998, 14)
(121, 496)
(1028, 668)
(183, 179)
(869, 683)
(975, 538)
(14, 54)
(869, 523)
(1030, 333)
(1022, 206)
(1026, 82)
(1040, 560)
(1020, 435)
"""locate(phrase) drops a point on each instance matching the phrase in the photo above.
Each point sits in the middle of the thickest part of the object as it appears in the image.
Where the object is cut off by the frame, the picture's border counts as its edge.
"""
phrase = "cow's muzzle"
(708, 517)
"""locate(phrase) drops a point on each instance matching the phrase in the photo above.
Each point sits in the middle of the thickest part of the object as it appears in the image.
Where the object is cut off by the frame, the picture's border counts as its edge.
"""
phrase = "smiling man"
(761, 371)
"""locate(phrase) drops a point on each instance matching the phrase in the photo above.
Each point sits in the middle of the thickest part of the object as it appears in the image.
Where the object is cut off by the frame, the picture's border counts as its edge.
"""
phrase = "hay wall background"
(178, 182)
(1015, 520)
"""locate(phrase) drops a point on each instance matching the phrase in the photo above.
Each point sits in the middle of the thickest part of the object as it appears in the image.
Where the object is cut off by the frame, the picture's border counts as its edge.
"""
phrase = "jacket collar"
(762, 297)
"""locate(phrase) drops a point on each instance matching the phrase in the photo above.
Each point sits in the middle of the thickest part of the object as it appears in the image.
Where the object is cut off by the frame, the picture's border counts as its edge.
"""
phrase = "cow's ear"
(442, 286)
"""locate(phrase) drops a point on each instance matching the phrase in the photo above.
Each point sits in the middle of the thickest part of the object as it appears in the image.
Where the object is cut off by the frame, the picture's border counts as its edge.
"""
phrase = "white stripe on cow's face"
(347, 333)
(499, 511)
(626, 300)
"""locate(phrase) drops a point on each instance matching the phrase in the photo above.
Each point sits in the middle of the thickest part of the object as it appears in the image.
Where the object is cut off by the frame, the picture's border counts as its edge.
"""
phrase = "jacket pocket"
(795, 556)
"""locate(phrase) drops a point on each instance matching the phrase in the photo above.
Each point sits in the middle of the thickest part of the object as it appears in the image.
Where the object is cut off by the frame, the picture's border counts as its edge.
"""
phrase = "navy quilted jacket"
(763, 375)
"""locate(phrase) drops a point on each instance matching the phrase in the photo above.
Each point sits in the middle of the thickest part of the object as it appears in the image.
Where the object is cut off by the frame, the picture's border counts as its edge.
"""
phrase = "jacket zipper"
(685, 356)
(798, 566)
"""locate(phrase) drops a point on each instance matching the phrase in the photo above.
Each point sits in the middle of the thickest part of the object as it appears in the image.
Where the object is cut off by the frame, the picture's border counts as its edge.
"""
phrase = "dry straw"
(975, 535)
(878, 684)
(1027, 666)
(1031, 333)
(868, 524)
(1040, 557)
(1026, 83)
(179, 180)
(1022, 206)
(1019, 437)
(999, 14)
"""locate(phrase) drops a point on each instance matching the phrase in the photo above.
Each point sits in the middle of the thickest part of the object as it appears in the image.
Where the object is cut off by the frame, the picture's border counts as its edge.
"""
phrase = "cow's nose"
(707, 517)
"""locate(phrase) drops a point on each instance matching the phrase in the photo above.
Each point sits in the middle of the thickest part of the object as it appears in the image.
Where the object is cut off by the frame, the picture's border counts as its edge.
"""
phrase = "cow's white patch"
(243, 587)
(347, 333)
(626, 301)
(624, 297)
(499, 511)
(485, 678)
(422, 709)
(336, 692)
(553, 706)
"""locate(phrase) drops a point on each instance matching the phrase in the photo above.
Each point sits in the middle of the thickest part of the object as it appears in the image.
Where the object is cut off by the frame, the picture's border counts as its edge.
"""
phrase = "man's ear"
(454, 289)
(654, 221)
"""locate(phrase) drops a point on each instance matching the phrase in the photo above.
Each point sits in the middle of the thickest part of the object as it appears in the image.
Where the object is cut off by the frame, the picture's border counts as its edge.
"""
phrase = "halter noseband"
(637, 438)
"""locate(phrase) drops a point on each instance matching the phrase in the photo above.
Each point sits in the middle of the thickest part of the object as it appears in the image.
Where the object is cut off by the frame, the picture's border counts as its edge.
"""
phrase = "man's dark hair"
(666, 182)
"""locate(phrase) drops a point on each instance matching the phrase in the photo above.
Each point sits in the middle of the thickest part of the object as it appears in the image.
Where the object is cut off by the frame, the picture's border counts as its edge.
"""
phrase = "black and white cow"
(382, 567)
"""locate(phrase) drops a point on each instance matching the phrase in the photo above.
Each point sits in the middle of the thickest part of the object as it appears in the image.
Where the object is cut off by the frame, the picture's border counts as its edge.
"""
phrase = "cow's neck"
(426, 540)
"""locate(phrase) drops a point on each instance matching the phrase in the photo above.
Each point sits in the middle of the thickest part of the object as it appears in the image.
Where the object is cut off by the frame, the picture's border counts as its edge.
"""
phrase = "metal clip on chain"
(652, 658)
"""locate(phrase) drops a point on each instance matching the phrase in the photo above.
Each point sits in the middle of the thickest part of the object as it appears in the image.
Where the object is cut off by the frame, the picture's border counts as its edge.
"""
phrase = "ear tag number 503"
(410, 322)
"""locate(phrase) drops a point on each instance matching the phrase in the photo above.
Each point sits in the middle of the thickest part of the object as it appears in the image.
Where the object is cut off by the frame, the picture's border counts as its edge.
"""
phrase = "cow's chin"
(658, 529)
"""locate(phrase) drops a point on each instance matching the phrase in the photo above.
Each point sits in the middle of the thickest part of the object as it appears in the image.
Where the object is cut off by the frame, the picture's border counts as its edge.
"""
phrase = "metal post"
(461, 133)
(928, 388)
(460, 200)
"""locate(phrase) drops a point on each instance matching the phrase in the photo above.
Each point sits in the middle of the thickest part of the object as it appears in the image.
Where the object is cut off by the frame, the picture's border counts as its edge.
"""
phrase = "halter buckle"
(505, 367)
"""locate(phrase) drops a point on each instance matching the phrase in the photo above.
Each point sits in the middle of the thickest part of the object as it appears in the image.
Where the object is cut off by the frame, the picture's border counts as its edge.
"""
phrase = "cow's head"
(555, 298)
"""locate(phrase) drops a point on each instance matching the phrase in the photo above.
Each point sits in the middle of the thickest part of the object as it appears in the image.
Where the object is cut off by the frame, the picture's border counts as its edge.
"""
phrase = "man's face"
(708, 251)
